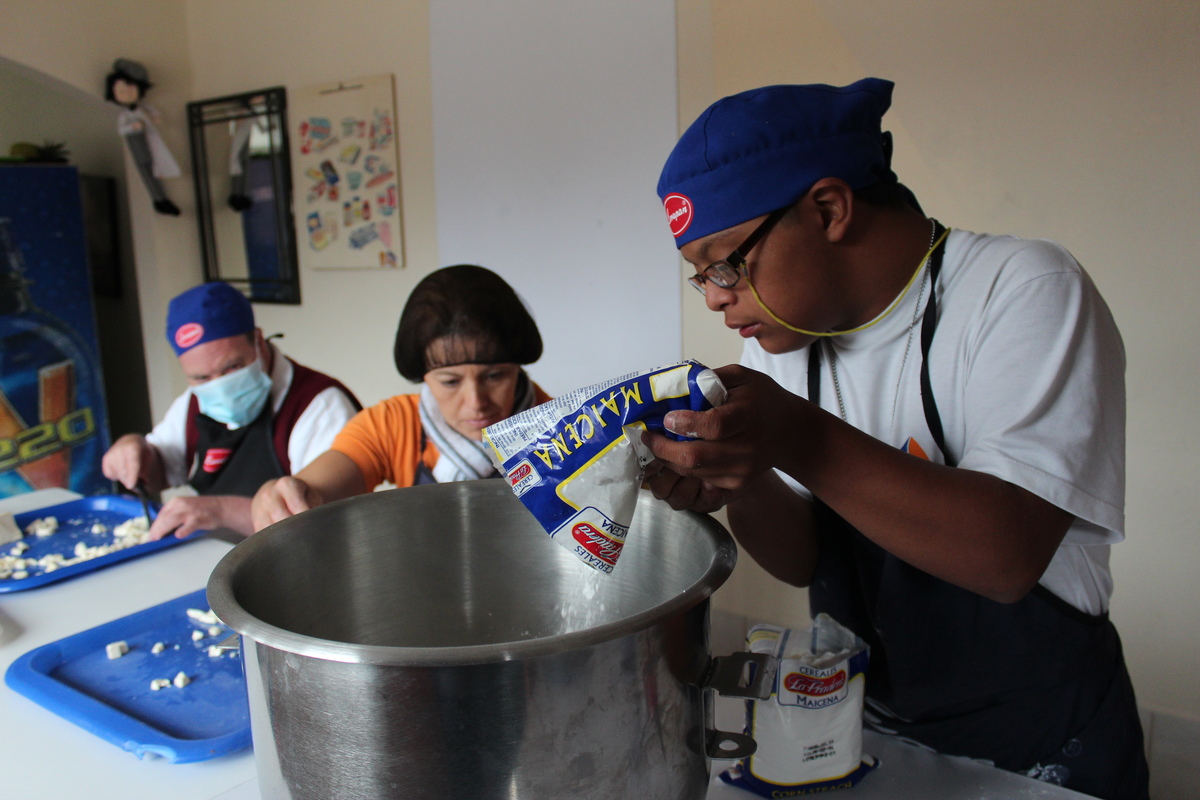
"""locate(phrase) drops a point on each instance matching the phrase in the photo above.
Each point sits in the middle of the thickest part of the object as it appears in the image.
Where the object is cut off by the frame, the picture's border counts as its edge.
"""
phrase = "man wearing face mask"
(250, 415)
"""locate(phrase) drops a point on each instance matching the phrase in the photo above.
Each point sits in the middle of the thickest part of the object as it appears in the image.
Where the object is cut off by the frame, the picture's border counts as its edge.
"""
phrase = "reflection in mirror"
(244, 193)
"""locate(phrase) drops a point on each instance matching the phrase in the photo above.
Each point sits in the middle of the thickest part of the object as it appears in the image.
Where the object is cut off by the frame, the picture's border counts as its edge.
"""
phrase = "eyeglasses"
(728, 271)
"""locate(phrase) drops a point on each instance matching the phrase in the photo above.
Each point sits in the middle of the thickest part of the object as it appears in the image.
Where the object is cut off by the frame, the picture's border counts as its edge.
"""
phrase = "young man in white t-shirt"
(927, 431)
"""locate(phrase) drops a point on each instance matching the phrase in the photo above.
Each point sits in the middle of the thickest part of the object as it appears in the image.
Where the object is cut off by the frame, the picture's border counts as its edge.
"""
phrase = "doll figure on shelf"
(126, 85)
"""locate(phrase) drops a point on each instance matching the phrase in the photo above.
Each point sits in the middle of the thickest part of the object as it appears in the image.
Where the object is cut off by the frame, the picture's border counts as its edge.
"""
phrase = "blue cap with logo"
(206, 312)
(754, 152)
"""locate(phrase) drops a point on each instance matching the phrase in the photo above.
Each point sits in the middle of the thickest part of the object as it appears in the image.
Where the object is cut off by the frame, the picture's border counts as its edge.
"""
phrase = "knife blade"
(142, 494)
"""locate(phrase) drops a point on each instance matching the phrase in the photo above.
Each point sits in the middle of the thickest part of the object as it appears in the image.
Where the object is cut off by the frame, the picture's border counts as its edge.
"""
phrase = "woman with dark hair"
(464, 335)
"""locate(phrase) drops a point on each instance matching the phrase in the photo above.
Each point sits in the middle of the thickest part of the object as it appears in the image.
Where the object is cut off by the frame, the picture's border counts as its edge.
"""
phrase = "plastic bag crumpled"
(577, 461)
(809, 731)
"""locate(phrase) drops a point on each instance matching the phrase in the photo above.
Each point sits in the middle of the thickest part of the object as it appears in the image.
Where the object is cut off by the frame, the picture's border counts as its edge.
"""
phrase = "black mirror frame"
(286, 288)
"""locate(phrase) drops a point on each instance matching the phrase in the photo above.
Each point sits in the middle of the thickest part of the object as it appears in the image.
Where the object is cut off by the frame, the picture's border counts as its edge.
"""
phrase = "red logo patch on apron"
(679, 213)
(215, 458)
(188, 334)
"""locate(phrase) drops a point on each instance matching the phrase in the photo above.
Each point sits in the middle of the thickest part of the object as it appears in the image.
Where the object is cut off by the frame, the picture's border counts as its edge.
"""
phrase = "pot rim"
(220, 598)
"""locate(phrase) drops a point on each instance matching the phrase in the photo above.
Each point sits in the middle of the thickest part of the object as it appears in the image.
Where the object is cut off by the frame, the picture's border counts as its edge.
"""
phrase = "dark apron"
(250, 462)
(1037, 687)
(424, 475)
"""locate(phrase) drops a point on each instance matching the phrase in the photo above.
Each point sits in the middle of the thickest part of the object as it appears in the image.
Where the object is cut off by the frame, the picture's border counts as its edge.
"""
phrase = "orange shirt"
(385, 441)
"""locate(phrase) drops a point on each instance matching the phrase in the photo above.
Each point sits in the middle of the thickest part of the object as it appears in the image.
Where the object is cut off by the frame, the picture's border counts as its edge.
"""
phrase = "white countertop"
(904, 772)
(44, 757)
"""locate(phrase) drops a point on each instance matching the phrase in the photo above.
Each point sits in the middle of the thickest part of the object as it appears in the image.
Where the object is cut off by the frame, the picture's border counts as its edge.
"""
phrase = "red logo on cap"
(679, 213)
(215, 458)
(188, 335)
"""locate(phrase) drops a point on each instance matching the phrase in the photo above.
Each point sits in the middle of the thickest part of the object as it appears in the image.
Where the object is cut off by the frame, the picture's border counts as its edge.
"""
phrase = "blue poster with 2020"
(53, 419)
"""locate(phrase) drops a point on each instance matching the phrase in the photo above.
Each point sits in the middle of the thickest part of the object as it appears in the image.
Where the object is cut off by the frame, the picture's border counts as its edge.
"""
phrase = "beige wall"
(196, 49)
(75, 42)
(38, 108)
(347, 322)
(1074, 121)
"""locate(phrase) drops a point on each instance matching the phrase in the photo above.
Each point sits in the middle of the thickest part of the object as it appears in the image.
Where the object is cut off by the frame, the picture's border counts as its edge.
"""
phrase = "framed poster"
(346, 177)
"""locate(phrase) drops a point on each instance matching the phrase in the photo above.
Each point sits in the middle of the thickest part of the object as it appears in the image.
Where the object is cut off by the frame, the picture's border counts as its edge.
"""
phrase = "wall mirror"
(244, 193)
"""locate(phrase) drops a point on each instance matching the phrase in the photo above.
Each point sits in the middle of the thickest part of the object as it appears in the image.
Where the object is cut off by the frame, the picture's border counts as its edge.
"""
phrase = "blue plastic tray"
(75, 520)
(75, 679)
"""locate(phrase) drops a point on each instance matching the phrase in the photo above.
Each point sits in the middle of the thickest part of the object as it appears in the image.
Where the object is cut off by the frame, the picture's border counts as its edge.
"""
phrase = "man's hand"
(731, 445)
(691, 494)
(280, 499)
(186, 515)
(130, 459)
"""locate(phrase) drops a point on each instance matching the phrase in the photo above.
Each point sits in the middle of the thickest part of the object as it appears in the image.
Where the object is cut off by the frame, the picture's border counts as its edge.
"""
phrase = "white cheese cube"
(203, 617)
(181, 680)
(43, 526)
(116, 649)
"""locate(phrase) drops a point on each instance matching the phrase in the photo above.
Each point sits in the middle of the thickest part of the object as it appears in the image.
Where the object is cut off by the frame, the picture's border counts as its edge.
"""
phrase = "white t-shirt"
(1028, 372)
(311, 436)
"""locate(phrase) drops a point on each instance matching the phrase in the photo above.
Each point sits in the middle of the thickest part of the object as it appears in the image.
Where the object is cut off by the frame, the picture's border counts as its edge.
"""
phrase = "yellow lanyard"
(889, 309)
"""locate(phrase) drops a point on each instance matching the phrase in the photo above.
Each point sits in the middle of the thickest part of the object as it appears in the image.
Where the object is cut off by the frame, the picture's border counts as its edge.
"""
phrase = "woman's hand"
(331, 476)
(279, 499)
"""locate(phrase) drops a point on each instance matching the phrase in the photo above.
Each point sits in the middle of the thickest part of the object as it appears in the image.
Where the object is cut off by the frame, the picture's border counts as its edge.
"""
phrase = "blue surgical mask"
(235, 399)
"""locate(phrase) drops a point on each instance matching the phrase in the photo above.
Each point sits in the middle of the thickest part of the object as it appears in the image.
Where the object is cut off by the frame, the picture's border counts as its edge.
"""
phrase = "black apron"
(1037, 687)
(234, 462)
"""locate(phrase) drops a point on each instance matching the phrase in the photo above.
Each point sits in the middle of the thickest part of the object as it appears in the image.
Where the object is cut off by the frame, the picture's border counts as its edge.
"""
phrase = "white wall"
(1074, 121)
(551, 121)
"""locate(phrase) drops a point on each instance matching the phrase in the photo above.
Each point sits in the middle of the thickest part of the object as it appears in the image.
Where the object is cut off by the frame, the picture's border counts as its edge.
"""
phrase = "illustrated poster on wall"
(346, 178)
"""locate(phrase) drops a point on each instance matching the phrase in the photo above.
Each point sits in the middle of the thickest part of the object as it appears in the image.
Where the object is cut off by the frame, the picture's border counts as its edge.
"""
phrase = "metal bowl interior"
(457, 573)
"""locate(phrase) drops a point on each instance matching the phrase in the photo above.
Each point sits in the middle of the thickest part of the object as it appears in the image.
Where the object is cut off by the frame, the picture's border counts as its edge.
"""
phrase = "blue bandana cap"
(207, 312)
(754, 152)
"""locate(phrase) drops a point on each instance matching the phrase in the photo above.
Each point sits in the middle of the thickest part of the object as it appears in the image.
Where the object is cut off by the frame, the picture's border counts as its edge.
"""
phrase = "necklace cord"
(877, 319)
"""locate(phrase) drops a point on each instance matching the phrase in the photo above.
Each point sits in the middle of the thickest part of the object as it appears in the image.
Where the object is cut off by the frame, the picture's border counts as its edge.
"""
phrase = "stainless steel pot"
(434, 642)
